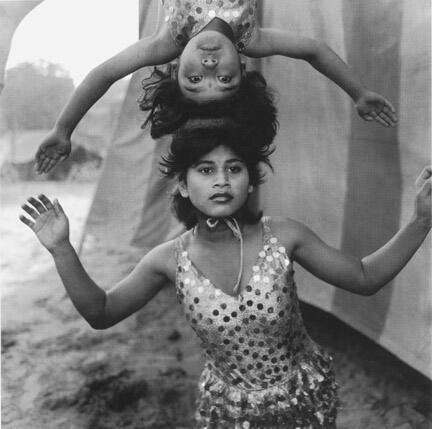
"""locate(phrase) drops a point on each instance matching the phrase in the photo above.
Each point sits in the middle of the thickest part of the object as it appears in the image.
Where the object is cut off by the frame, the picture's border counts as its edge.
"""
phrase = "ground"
(58, 373)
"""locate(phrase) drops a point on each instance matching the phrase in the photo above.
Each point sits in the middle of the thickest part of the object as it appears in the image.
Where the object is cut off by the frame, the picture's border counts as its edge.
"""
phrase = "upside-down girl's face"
(209, 68)
(218, 183)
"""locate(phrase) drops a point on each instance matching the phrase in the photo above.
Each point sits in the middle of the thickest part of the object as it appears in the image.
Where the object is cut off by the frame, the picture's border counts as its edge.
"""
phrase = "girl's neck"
(219, 25)
(218, 233)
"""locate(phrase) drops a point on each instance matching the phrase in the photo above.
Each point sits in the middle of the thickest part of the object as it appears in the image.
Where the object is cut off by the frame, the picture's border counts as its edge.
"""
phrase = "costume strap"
(266, 227)
(179, 250)
(233, 225)
(235, 228)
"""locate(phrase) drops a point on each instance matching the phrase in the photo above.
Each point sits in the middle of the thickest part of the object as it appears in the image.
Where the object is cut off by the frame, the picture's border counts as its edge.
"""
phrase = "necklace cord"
(238, 234)
(234, 226)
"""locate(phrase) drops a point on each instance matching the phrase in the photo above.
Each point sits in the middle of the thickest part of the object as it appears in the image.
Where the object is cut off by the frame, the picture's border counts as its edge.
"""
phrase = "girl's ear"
(183, 189)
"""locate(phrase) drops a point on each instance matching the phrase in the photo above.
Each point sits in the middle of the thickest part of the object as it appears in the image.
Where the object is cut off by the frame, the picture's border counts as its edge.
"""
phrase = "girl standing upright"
(233, 274)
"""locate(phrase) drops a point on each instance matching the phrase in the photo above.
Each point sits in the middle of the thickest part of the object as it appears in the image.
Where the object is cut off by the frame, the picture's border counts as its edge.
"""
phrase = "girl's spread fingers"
(379, 120)
(40, 162)
(33, 213)
(386, 119)
(46, 201)
(50, 165)
(37, 204)
(40, 152)
(391, 113)
(423, 177)
(44, 163)
(367, 118)
(58, 205)
(425, 189)
(391, 118)
(427, 172)
(28, 222)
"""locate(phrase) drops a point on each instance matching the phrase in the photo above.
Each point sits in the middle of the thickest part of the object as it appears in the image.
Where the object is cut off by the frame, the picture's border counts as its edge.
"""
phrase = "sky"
(77, 34)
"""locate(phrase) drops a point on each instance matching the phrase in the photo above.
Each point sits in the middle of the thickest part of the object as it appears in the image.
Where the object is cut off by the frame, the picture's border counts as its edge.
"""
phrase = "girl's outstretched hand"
(49, 223)
(54, 149)
(423, 197)
(374, 107)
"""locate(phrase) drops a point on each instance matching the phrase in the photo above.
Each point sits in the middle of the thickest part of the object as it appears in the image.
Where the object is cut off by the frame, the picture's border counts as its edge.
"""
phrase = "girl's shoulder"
(163, 258)
(182, 242)
(287, 230)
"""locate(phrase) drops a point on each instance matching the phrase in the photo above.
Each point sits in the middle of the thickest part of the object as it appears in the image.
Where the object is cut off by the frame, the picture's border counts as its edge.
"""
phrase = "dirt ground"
(58, 373)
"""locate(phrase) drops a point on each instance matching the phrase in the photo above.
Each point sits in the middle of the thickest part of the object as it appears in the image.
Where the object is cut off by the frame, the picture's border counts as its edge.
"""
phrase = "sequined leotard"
(186, 18)
(262, 369)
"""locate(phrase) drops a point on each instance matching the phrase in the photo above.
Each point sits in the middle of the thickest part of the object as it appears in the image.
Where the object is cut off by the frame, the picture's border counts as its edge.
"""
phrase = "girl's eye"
(224, 79)
(195, 79)
(234, 169)
(205, 170)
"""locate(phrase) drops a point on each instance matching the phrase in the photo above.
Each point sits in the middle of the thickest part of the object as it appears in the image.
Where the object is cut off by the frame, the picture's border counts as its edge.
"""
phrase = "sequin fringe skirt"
(307, 399)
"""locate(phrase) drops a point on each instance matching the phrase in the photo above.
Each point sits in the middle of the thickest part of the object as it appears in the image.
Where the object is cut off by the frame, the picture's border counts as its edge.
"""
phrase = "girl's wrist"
(63, 131)
(359, 93)
(61, 249)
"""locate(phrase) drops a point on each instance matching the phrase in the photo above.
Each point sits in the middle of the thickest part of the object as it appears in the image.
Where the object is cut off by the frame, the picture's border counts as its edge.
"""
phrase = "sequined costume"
(262, 369)
(186, 18)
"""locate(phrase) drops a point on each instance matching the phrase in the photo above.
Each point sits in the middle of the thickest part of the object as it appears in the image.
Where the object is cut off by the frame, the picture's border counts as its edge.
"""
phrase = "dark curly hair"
(192, 141)
(251, 107)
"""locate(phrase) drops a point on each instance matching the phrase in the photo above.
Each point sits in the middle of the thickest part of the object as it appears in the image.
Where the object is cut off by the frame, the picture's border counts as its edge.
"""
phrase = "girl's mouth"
(209, 47)
(222, 197)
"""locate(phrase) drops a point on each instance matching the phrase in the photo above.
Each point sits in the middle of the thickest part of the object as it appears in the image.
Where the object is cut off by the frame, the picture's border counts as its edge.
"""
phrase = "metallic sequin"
(286, 379)
(187, 18)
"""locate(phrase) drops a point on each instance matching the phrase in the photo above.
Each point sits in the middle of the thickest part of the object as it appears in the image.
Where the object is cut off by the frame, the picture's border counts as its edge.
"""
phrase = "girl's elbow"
(312, 51)
(317, 52)
(369, 288)
(361, 285)
(367, 291)
(98, 324)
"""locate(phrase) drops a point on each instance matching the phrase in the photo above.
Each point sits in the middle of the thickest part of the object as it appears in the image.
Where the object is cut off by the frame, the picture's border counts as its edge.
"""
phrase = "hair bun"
(209, 123)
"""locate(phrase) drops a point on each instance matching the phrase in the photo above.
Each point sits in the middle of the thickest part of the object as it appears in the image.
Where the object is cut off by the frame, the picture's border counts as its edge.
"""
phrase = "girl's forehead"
(220, 152)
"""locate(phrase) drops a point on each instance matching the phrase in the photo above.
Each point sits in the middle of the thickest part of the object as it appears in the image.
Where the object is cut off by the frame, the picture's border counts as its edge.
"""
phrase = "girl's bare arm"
(153, 50)
(370, 105)
(367, 275)
(156, 49)
(100, 309)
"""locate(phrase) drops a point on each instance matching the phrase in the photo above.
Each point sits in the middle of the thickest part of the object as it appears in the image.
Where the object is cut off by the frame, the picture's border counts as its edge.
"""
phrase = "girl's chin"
(210, 36)
(226, 212)
(218, 215)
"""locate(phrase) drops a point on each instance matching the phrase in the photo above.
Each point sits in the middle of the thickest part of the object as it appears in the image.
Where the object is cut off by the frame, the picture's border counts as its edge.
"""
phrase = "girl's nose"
(209, 62)
(222, 180)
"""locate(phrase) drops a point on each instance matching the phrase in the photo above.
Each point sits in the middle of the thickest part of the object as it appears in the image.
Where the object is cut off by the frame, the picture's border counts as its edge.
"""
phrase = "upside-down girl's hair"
(199, 137)
(251, 106)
